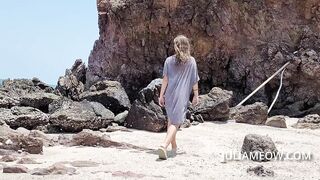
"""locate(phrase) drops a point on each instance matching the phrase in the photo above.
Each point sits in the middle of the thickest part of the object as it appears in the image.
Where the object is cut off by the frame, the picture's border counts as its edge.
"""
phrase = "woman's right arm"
(163, 89)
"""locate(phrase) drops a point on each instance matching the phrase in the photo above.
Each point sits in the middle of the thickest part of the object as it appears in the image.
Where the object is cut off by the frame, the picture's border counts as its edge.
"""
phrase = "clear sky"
(42, 38)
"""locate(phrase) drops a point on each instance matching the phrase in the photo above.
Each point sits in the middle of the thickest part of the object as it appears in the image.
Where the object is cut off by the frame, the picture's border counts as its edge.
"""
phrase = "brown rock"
(256, 113)
(277, 121)
(15, 169)
(8, 158)
(311, 121)
(93, 138)
(237, 45)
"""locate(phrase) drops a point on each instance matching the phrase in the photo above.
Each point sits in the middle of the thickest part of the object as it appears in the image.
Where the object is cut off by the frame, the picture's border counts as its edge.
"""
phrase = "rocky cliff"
(237, 44)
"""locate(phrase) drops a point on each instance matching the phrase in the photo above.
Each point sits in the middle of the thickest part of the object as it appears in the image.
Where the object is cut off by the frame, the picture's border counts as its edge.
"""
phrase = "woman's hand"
(195, 100)
(161, 101)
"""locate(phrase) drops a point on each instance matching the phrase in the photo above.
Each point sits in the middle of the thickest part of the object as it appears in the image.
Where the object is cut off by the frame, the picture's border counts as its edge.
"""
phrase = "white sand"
(200, 155)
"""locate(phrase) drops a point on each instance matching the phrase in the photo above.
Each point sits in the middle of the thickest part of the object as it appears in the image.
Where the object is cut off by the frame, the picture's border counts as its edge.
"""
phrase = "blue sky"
(42, 38)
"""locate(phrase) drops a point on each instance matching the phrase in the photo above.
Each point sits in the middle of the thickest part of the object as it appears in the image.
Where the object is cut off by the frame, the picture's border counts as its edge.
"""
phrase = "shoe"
(162, 153)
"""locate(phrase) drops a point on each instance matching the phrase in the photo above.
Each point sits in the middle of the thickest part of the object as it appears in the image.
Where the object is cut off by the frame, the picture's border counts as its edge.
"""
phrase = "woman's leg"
(173, 142)
(171, 133)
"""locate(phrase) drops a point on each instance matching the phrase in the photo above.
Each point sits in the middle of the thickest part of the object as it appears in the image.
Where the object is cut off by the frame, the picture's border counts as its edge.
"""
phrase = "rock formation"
(237, 44)
(256, 113)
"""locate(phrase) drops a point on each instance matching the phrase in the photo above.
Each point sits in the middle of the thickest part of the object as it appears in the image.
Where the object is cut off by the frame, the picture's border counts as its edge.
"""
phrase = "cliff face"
(237, 44)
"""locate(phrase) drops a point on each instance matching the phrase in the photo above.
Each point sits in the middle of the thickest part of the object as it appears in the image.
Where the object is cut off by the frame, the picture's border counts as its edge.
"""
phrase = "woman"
(180, 77)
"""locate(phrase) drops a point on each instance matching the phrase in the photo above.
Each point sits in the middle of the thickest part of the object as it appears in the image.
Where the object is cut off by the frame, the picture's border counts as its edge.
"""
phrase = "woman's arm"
(163, 89)
(195, 89)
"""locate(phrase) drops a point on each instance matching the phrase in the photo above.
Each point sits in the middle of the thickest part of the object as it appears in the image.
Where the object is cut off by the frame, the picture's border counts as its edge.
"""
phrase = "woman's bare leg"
(173, 142)
(171, 133)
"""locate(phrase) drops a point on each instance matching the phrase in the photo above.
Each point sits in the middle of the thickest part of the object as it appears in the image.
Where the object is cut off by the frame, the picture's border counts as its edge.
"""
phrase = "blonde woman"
(180, 78)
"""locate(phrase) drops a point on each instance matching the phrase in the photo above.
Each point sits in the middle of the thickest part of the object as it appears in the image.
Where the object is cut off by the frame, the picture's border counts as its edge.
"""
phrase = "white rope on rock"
(280, 86)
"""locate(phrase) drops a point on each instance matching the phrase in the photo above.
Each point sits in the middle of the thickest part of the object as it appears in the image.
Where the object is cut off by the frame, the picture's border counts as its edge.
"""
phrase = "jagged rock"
(55, 169)
(145, 113)
(15, 169)
(121, 117)
(311, 121)
(13, 140)
(13, 90)
(277, 121)
(71, 85)
(73, 116)
(258, 148)
(109, 93)
(214, 106)
(256, 113)
(38, 100)
(93, 138)
(26, 117)
(136, 36)
(260, 171)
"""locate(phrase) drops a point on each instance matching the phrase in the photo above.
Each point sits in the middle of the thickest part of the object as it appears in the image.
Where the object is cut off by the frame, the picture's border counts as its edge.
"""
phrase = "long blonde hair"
(182, 48)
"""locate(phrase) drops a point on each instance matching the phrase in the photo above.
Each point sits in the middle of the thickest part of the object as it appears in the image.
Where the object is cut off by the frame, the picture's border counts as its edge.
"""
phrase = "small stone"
(260, 171)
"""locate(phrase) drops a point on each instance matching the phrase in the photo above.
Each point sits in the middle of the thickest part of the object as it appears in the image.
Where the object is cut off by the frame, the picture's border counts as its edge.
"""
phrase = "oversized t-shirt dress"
(181, 78)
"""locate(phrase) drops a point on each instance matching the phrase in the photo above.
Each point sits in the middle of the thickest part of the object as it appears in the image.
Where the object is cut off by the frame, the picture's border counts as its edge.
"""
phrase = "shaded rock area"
(237, 45)
(71, 85)
(260, 171)
(277, 121)
(71, 116)
(145, 113)
(256, 113)
(38, 100)
(26, 117)
(258, 147)
(109, 93)
(214, 106)
(311, 121)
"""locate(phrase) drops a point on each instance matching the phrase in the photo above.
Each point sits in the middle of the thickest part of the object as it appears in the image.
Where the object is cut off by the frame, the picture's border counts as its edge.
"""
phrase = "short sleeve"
(194, 74)
(165, 69)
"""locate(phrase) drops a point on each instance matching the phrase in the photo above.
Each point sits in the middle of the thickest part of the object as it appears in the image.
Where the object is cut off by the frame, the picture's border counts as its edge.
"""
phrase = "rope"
(275, 98)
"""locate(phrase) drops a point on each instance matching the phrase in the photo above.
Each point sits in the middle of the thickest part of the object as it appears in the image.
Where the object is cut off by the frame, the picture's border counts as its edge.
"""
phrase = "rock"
(26, 86)
(259, 148)
(311, 121)
(71, 85)
(26, 117)
(214, 106)
(136, 36)
(15, 169)
(93, 138)
(73, 116)
(84, 164)
(114, 127)
(27, 161)
(55, 169)
(8, 158)
(186, 124)
(260, 171)
(145, 113)
(109, 93)
(7, 100)
(277, 121)
(13, 140)
(121, 117)
(39, 100)
(42, 136)
(23, 131)
(256, 113)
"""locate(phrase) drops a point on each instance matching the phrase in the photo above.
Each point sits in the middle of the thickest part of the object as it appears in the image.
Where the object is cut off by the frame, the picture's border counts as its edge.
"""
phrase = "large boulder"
(26, 117)
(258, 148)
(256, 113)
(214, 106)
(71, 85)
(145, 113)
(39, 100)
(109, 93)
(237, 44)
(311, 121)
(71, 116)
